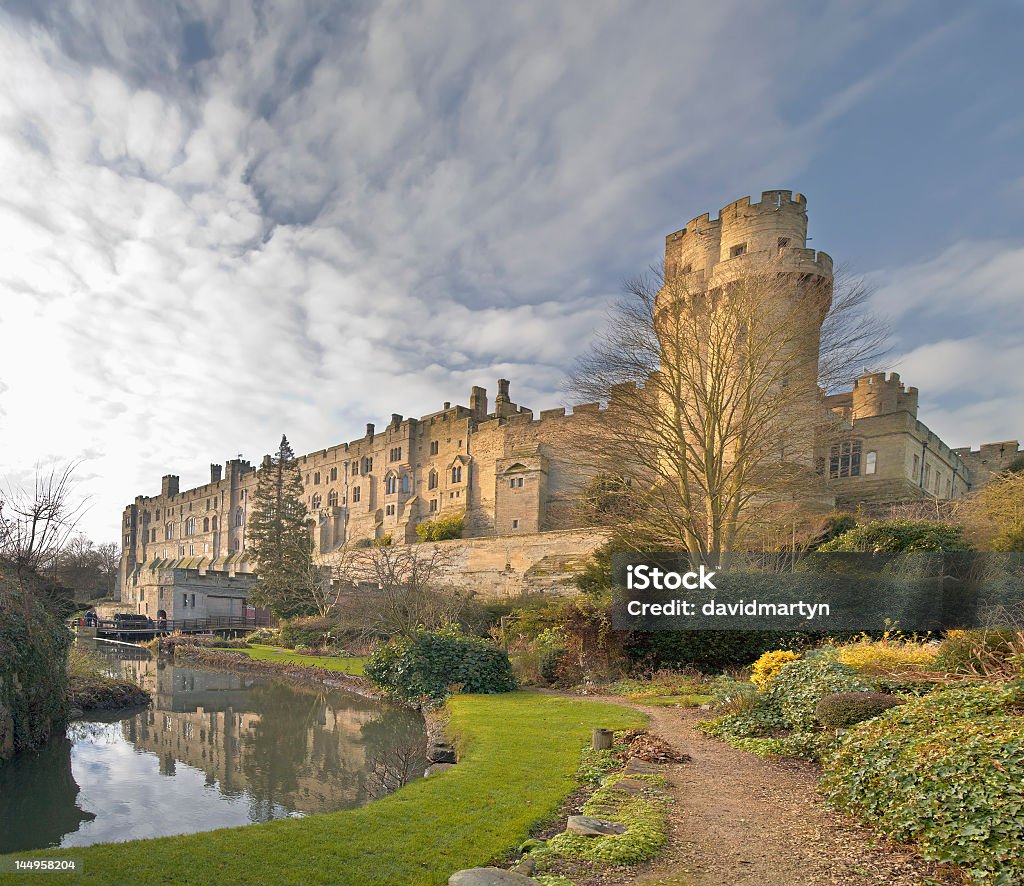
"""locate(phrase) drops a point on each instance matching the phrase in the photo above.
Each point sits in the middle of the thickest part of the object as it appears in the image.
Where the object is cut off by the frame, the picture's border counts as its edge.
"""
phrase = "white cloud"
(331, 216)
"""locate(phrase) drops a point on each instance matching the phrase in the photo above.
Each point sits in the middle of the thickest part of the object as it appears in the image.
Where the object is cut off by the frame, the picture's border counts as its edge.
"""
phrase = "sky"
(221, 222)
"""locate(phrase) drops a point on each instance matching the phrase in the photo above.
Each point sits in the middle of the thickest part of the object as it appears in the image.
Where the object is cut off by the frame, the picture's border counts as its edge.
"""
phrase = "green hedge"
(33, 667)
(706, 649)
(430, 664)
(945, 771)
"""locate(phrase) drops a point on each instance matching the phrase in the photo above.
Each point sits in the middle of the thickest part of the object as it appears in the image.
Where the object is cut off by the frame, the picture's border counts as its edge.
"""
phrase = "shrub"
(312, 631)
(985, 652)
(767, 666)
(800, 685)
(946, 771)
(441, 529)
(889, 655)
(709, 649)
(33, 665)
(429, 664)
(900, 536)
(843, 709)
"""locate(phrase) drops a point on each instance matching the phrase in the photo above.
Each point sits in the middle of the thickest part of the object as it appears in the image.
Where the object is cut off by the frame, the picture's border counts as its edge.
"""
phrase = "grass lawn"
(347, 665)
(518, 753)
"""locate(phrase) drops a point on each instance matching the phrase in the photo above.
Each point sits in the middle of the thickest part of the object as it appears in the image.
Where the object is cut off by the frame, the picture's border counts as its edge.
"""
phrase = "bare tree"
(391, 591)
(36, 522)
(713, 403)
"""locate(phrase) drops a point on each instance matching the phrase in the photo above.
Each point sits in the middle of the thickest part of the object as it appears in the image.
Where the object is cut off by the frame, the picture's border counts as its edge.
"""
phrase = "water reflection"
(216, 749)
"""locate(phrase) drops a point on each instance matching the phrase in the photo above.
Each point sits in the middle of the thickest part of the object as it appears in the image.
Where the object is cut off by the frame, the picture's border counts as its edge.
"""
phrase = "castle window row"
(515, 483)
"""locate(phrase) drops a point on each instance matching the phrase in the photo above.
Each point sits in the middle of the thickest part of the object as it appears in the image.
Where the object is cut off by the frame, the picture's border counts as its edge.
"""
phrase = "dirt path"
(738, 820)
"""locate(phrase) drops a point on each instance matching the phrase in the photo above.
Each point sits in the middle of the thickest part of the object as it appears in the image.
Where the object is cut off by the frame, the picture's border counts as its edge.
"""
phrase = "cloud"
(304, 216)
(957, 318)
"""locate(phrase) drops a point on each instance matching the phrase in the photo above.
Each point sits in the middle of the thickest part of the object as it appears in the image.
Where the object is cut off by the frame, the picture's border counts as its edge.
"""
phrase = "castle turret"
(876, 394)
(169, 484)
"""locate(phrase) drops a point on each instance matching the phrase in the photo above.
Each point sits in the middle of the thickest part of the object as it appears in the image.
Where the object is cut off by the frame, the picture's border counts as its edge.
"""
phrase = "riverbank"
(518, 753)
(239, 660)
(95, 693)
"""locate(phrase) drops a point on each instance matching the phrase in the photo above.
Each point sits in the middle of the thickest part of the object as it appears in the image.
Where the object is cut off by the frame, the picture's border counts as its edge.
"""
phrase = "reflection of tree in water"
(37, 798)
(395, 748)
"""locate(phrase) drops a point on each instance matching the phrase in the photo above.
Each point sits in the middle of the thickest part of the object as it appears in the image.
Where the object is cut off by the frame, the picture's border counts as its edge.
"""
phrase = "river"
(215, 749)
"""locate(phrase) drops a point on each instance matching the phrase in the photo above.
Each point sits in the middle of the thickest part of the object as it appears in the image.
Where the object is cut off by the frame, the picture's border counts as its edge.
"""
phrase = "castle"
(514, 476)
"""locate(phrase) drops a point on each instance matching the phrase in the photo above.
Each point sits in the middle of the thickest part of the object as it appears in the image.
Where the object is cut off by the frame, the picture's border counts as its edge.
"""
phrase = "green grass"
(518, 752)
(344, 664)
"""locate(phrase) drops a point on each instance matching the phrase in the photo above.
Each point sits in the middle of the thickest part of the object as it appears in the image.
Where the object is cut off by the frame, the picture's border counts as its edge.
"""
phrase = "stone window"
(332, 499)
(367, 464)
(432, 480)
(334, 474)
(316, 501)
(433, 504)
(213, 523)
(927, 475)
(515, 524)
(239, 517)
(783, 242)
(390, 484)
(457, 474)
(433, 447)
(152, 535)
(395, 454)
(206, 524)
(405, 483)
(844, 460)
(355, 493)
(355, 469)
(157, 517)
(316, 478)
(917, 462)
(181, 551)
(169, 531)
(190, 526)
(870, 461)
(737, 250)
(390, 510)
(184, 600)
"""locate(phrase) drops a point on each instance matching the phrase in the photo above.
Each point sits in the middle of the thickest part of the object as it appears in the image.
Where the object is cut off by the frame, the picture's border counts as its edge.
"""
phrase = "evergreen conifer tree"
(280, 538)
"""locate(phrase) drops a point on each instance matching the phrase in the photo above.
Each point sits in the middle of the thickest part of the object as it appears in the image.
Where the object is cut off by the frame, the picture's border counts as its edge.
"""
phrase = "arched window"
(213, 523)
(316, 501)
(432, 480)
(239, 517)
(457, 474)
(190, 526)
(169, 531)
(206, 524)
(390, 484)
(332, 499)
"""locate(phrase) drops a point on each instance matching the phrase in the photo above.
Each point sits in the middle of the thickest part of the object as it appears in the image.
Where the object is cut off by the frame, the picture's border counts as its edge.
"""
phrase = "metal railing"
(209, 624)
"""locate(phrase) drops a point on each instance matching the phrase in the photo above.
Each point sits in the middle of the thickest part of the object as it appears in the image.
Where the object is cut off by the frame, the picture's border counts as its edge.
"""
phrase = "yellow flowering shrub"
(767, 666)
(889, 656)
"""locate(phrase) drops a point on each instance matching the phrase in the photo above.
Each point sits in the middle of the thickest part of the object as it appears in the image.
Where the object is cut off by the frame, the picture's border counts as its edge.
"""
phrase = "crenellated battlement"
(710, 251)
(876, 393)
